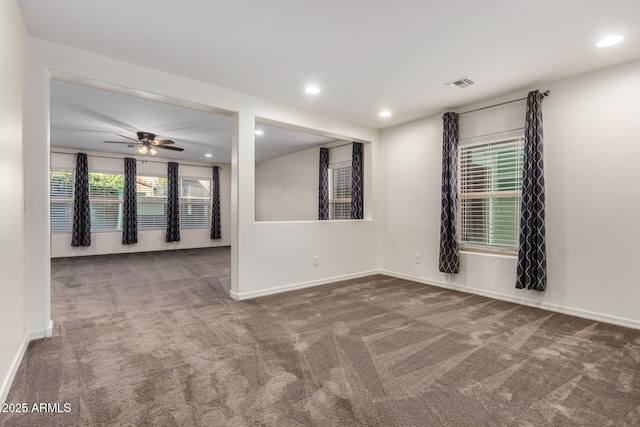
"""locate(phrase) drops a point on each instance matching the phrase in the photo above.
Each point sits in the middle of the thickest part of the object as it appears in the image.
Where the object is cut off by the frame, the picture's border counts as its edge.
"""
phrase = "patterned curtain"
(173, 204)
(532, 260)
(357, 208)
(81, 234)
(215, 205)
(449, 257)
(130, 204)
(323, 185)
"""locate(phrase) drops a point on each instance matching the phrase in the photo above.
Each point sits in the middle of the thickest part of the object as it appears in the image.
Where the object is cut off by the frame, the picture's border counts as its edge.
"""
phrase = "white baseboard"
(15, 364)
(599, 317)
(271, 291)
(49, 331)
(37, 335)
(31, 335)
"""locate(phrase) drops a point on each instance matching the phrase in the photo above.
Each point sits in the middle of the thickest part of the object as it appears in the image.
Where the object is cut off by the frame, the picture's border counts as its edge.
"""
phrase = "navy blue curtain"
(173, 204)
(81, 231)
(449, 261)
(357, 206)
(216, 232)
(130, 204)
(323, 185)
(532, 259)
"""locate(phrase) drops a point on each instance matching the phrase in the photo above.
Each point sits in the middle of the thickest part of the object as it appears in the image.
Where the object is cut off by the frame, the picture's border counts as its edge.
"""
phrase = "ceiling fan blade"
(162, 142)
(168, 147)
(101, 117)
(119, 142)
(133, 139)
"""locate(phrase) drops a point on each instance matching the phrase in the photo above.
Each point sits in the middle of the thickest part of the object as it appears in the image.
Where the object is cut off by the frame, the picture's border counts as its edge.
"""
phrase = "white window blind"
(340, 191)
(151, 194)
(195, 203)
(61, 200)
(490, 182)
(105, 197)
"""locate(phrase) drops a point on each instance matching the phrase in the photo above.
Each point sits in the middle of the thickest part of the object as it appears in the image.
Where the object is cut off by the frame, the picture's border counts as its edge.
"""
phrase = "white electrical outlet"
(316, 261)
(417, 258)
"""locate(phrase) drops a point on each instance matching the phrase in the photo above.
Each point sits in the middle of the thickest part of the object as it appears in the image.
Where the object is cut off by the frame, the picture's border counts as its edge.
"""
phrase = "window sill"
(496, 254)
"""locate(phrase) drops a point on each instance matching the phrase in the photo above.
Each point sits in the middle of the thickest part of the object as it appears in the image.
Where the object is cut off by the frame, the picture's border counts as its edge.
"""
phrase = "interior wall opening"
(114, 124)
(290, 179)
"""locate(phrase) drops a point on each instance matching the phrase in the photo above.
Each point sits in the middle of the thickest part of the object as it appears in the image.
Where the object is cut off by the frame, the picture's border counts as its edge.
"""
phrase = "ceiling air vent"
(460, 83)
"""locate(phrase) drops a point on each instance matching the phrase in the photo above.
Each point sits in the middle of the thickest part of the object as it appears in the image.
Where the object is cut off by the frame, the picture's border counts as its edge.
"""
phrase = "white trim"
(11, 375)
(599, 317)
(286, 288)
(48, 332)
(37, 335)
(78, 253)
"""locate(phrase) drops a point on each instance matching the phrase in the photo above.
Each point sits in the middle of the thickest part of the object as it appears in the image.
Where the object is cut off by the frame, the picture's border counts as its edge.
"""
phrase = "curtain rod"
(142, 160)
(544, 94)
(341, 145)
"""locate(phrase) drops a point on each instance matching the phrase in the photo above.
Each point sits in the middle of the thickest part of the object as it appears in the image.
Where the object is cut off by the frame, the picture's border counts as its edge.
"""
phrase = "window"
(490, 182)
(105, 198)
(152, 202)
(340, 191)
(61, 200)
(195, 203)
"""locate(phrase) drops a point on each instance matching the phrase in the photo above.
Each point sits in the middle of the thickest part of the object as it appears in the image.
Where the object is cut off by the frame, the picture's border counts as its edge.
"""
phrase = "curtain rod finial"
(546, 92)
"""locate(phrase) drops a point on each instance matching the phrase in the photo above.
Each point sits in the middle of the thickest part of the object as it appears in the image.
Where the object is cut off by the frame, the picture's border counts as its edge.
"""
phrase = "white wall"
(287, 187)
(148, 240)
(260, 251)
(592, 141)
(13, 309)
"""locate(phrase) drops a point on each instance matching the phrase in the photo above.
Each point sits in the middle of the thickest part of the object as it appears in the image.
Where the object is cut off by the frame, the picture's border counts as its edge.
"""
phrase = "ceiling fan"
(147, 143)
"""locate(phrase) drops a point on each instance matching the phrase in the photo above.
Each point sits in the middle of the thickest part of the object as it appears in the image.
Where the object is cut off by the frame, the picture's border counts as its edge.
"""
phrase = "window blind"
(151, 192)
(490, 182)
(340, 191)
(61, 200)
(105, 197)
(195, 203)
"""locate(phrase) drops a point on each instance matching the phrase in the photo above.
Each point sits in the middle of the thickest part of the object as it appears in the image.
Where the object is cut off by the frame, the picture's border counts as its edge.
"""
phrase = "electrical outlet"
(417, 258)
(316, 261)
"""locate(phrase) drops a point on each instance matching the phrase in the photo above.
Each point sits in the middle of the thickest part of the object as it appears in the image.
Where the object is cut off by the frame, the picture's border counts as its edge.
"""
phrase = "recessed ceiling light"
(259, 132)
(384, 113)
(610, 40)
(312, 90)
(208, 155)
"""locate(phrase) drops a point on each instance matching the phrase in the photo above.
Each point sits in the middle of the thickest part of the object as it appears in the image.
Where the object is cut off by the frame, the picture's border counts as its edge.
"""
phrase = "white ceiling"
(365, 54)
(83, 117)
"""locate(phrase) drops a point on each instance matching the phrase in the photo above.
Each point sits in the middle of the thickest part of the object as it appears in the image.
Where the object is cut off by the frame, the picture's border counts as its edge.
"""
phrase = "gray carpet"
(153, 339)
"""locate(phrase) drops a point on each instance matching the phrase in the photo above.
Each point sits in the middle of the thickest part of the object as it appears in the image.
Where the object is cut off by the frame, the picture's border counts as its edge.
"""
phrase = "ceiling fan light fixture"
(146, 144)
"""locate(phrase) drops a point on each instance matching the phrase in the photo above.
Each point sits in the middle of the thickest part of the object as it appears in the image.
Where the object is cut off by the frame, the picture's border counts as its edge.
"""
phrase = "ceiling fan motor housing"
(146, 136)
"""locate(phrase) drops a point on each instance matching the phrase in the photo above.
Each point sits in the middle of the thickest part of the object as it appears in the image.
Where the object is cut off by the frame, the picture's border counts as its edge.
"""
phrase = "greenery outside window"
(105, 197)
